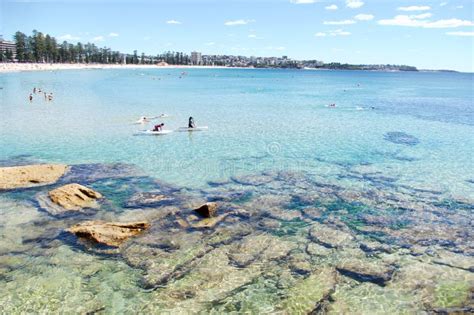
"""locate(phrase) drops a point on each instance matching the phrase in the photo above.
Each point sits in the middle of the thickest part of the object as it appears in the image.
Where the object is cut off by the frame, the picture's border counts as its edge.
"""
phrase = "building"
(7, 46)
(196, 58)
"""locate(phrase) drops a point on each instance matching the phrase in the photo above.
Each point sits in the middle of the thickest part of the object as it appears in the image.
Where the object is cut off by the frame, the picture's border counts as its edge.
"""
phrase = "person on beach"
(45, 96)
(191, 123)
(158, 127)
(50, 97)
(31, 97)
(34, 90)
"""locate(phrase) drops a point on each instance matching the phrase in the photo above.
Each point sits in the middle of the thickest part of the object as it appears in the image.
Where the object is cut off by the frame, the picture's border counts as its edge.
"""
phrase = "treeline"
(6, 55)
(43, 48)
(345, 66)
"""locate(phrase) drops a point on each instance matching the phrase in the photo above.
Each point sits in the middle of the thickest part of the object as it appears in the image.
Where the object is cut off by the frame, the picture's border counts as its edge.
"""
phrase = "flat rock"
(210, 222)
(74, 197)
(146, 199)
(305, 296)
(329, 237)
(207, 210)
(258, 248)
(314, 249)
(373, 247)
(366, 271)
(108, 233)
(30, 175)
(314, 213)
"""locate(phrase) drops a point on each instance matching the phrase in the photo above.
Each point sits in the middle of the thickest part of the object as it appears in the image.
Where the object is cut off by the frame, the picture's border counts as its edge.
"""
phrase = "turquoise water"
(384, 180)
(258, 119)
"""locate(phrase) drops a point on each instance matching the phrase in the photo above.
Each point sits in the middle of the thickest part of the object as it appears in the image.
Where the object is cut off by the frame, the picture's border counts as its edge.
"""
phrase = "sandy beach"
(18, 67)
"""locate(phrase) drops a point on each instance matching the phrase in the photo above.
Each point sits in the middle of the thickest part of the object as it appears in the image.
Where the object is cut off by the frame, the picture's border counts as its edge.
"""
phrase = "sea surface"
(389, 169)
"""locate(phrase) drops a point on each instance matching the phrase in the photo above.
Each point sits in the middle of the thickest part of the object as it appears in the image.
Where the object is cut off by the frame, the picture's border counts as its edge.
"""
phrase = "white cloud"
(173, 22)
(68, 37)
(415, 8)
(238, 22)
(421, 16)
(415, 21)
(339, 33)
(354, 4)
(343, 22)
(98, 39)
(333, 33)
(252, 36)
(210, 44)
(331, 7)
(460, 33)
(303, 1)
(459, 7)
(113, 34)
(442, 4)
(364, 17)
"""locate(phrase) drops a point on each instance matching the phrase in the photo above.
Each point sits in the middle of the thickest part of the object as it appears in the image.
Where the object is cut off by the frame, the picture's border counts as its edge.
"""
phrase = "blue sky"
(426, 34)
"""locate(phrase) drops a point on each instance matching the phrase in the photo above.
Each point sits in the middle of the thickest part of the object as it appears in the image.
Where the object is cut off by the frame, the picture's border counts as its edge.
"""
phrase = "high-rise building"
(7, 46)
(196, 58)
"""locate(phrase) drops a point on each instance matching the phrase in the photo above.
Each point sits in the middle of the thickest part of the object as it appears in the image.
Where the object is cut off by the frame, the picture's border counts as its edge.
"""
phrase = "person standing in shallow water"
(191, 123)
(31, 97)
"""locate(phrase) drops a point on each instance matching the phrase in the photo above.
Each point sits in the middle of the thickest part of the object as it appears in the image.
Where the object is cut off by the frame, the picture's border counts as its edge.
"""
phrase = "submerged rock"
(364, 270)
(207, 210)
(253, 180)
(108, 233)
(258, 248)
(74, 197)
(30, 175)
(146, 199)
(329, 237)
(210, 222)
(306, 295)
(401, 138)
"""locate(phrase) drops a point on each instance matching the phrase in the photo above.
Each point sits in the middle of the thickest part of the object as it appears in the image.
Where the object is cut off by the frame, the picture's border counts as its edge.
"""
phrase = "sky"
(422, 33)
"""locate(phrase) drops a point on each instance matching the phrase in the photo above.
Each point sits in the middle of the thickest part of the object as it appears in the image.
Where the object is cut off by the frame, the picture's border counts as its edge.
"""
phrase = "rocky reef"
(30, 175)
(278, 242)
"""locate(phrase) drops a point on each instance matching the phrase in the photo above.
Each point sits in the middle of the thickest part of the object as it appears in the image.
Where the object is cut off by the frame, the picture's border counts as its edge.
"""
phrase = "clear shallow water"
(309, 190)
(258, 119)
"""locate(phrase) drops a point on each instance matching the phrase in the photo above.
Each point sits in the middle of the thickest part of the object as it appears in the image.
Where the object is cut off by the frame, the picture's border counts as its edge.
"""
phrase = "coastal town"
(41, 49)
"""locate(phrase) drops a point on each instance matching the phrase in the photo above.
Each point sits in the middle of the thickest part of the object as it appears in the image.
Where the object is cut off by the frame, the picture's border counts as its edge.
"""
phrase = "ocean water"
(258, 119)
(391, 163)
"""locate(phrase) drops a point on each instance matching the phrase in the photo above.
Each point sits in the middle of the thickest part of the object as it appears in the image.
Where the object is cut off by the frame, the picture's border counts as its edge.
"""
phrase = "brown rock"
(328, 236)
(207, 210)
(182, 223)
(210, 222)
(30, 175)
(108, 233)
(365, 270)
(74, 197)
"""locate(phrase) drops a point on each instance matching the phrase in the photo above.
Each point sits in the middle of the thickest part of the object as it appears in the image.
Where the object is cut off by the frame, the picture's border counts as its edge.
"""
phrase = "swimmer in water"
(143, 120)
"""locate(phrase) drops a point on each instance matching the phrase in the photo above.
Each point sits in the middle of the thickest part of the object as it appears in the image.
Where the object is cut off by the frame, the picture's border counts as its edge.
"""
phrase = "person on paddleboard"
(191, 123)
(158, 127)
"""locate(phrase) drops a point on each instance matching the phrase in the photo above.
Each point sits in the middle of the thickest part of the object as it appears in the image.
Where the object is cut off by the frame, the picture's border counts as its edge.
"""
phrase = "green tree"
(20, 42)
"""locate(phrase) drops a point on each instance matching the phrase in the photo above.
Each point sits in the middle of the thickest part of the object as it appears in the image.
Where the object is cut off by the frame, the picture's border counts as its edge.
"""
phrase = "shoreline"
(24, 67)
(27, 67)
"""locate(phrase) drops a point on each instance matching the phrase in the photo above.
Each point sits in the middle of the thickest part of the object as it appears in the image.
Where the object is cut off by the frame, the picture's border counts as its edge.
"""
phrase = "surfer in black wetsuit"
(191, 123)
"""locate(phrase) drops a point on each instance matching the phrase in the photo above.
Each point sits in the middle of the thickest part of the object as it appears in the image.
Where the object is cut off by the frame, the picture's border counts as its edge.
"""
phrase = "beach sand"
(17, 67)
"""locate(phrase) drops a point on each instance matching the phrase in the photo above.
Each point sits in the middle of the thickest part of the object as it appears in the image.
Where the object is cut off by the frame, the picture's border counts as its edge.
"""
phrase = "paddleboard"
(153, 133)
(201, 128)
